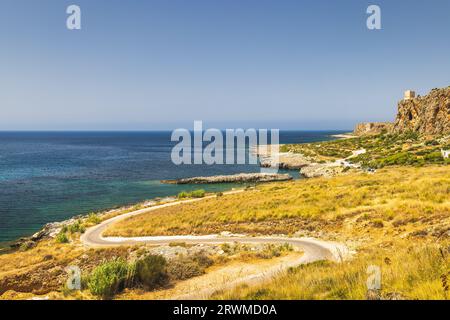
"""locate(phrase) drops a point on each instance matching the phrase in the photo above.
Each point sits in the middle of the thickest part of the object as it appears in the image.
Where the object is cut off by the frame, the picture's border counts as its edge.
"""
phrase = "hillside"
(397, 218)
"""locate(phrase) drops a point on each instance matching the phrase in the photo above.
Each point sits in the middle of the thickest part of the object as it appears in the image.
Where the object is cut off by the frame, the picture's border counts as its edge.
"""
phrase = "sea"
(52, 176)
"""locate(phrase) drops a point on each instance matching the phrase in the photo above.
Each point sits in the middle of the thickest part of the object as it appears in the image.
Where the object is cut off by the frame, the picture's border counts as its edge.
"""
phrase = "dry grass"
(404, 195)
(408, 271)
(398, 218)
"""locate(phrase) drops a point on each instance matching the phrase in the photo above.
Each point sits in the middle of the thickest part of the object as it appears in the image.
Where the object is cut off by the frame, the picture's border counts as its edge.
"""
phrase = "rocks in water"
(429, 114)
(235, 178)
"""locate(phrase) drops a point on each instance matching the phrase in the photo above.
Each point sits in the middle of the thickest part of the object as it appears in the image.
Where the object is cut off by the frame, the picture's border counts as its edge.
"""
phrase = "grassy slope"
(398, 219)
(362, 201)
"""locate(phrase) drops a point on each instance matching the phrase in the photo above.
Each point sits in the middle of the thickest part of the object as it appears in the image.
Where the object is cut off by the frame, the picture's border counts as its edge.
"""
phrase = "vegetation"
(312, 204)
(151, 271)
(408, 271)
(399, 218)
(382, 150)
(62, 237)
(93, 219)
(193, 194)
(109, 278)
(76, 227)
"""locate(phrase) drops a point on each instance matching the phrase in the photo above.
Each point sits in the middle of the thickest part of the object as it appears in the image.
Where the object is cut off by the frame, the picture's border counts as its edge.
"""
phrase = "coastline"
(222, 186)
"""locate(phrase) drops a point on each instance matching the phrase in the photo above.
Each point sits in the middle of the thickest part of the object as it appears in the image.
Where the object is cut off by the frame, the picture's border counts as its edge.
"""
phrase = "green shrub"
(151, 271)
(62, 237)
(194, 194)
(198, 193)
(183, 195)
(108, 278)
(434, 157)
(76, 227)
(93, 218)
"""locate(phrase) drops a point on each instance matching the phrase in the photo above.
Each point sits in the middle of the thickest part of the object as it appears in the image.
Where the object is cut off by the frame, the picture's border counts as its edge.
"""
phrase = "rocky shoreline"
(52, 229)
(235, 178)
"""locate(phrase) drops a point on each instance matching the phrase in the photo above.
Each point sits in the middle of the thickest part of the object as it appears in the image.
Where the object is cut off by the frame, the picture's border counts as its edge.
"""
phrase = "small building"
(409, 94)
(445, 154)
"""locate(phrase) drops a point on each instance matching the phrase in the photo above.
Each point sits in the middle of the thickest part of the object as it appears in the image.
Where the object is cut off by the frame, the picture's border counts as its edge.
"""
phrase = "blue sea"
(51, 176)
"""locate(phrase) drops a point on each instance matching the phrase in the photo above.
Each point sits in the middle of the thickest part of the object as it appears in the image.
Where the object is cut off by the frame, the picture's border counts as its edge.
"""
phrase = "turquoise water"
(51, 176)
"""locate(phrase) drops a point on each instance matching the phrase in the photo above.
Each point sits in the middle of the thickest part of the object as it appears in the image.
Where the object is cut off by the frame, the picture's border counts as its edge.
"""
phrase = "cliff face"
(368, 128)
(429, 114)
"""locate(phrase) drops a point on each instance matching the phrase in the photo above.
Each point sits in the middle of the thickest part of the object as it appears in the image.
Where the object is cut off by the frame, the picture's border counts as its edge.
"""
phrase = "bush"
(183, 195)
(184, 268)
(93, 218)
(108, 278)
(151, 271)
(76, 227)
(198, 193)
(203, 260)
(62, 237)
(434, 157)
(194, 194)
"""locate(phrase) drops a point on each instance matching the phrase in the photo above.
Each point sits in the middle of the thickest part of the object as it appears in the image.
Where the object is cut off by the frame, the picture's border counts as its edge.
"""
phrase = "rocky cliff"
(429, 114)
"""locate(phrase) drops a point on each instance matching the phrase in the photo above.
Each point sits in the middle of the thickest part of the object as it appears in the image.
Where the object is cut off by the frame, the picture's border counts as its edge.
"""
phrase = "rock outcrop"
(284, 160)
(288, 161)
(371, 128)
(235, 178)
(322, 170)
(429, 114)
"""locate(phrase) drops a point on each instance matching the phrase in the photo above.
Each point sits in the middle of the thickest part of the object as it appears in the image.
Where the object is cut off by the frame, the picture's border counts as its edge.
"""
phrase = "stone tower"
(409, 94)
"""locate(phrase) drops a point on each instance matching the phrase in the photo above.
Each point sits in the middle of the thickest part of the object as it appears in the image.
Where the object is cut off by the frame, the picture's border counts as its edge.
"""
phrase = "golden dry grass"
(399, 213)
(360, 200)
(398, 218)
(408, 271)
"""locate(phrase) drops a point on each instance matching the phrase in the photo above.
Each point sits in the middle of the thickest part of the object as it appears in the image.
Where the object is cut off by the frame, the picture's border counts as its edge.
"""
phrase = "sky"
(161, 64)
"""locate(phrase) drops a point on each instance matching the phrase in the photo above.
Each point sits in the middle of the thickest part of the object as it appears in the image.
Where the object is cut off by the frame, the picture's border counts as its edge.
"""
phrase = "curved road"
(313, 249)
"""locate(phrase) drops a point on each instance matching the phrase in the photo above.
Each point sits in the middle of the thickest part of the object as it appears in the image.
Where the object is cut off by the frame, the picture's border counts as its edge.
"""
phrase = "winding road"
(313, 249)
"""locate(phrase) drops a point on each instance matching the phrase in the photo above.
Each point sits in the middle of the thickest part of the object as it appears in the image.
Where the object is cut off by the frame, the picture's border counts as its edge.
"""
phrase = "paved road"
(313, 249)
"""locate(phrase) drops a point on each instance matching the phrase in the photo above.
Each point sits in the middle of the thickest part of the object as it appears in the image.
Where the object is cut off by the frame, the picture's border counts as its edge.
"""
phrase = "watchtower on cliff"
(409, 94)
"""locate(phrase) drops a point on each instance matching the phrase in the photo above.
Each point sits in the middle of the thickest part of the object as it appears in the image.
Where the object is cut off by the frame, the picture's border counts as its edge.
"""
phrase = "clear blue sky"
(251, 63)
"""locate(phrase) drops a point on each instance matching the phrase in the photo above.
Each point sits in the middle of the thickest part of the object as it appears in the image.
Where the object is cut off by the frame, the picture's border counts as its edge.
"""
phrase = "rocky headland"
(235, 178)
(429, 115)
